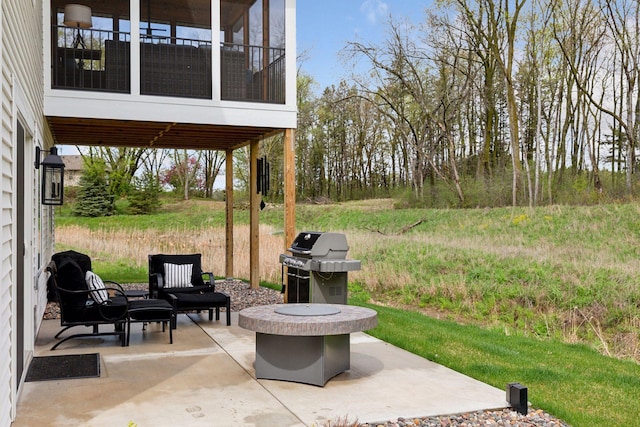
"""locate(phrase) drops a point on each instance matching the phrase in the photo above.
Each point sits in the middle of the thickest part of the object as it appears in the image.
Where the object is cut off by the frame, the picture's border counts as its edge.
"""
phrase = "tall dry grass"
(134, 246)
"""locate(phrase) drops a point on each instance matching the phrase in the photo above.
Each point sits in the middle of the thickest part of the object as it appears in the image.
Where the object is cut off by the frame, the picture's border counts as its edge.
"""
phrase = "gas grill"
(317, 268)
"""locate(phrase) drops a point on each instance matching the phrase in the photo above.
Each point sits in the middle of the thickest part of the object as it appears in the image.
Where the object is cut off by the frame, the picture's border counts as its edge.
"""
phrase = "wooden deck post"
(289, 190)
(254, 222)
(289, 187)
(229, 214)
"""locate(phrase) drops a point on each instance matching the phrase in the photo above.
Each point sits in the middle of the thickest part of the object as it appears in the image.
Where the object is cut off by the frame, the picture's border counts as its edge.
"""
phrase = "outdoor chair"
(180, 280)
(86, 300)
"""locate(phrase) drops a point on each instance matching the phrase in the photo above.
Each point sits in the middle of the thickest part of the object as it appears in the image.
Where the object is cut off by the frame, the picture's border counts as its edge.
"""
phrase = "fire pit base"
(308, 360)
(308, 349)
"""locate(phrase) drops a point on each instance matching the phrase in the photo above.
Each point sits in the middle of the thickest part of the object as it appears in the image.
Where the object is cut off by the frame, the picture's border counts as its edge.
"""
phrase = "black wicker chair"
(180, 280)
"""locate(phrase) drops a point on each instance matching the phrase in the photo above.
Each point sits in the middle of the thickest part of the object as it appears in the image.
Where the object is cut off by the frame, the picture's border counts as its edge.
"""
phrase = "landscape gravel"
(243, 296)
(502, 418)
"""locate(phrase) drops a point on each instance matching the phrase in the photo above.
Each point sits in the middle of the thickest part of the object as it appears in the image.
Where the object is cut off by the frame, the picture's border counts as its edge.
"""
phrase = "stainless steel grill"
(316, 270)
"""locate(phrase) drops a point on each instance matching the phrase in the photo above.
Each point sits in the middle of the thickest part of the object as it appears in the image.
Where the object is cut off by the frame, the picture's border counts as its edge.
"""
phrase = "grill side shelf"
(334, 266)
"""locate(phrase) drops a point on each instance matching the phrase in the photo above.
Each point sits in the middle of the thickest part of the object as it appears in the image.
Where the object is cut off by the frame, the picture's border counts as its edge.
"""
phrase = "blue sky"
(325, 26)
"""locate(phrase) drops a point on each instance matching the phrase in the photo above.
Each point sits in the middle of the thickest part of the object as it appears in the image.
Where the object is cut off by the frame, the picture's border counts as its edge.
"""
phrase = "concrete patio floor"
(206, 378)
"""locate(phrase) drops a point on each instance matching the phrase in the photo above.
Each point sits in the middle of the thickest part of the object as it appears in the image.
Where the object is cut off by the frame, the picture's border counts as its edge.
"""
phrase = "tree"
(403, 70)
(490, 21)
(144, 198)
(94, 198)
(122, 163)
(183, 173)
(213, 161)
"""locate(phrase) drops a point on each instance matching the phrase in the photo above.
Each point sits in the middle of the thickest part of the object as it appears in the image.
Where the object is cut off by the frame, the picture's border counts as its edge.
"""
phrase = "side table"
(151, 310)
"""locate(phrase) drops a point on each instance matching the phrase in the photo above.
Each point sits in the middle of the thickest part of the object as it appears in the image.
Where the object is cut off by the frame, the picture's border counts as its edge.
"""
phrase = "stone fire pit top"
(334, 319)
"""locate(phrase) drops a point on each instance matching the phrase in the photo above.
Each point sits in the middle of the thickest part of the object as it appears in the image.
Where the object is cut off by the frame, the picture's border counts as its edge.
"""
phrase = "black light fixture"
(263, 179)
(52, 177)
(517, 398)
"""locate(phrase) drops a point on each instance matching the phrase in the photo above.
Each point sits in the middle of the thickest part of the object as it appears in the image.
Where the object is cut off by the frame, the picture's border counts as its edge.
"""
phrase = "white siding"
(6, 250)
(21, 54)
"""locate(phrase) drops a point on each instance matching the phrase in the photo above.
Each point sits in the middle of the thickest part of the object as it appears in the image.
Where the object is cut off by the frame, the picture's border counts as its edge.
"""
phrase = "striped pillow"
(177, 275)
(96, 286)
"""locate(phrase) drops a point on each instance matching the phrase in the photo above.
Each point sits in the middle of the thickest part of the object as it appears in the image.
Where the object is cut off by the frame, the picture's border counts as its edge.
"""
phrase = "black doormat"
(64, 367)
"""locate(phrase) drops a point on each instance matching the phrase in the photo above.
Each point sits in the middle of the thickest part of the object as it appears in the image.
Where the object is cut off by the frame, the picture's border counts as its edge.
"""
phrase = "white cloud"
(374, 9)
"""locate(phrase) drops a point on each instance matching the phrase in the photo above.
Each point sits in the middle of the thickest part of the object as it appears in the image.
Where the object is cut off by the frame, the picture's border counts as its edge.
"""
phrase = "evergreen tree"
(144, 198)
(94, 199)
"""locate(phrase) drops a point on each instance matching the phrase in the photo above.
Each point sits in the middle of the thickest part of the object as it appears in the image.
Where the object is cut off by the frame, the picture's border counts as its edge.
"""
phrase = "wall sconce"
(52, 177)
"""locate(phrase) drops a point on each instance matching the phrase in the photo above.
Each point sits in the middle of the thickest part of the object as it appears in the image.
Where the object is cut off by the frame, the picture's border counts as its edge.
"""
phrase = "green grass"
(116, 269)
(573, 382)
(514, 289)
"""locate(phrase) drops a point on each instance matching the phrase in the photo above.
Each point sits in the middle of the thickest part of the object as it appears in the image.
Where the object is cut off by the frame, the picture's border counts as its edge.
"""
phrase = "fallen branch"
(409, 227)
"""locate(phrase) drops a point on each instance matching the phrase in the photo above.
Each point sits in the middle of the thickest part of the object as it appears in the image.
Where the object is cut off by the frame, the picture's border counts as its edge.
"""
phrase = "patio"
(207, 378)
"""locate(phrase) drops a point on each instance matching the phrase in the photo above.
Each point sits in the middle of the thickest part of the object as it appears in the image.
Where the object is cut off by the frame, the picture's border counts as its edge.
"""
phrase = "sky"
(325, 26)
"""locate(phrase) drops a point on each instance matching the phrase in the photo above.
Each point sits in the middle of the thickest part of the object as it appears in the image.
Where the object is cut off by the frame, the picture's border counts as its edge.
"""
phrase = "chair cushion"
(211, 299)
(150, 309)
(177, 275)
(96, 285)
(70, 276)
(157, 261)
(81, 259)
(189, 290)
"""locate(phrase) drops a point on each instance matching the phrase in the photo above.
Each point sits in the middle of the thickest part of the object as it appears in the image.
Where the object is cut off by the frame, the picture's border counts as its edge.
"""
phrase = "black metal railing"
(100, 61)
(90, 60)
(175, 67)
(252, 73)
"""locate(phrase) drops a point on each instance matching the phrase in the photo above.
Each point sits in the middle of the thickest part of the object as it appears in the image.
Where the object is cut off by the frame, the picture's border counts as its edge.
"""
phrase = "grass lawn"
(547, 297)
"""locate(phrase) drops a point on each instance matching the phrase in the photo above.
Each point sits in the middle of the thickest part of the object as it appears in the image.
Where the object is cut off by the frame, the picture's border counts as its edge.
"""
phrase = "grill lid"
(320, 245)
(304, 242)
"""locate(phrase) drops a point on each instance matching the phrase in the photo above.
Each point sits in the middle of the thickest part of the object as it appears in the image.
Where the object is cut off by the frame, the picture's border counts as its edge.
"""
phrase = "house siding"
(22, 98)
(6, 251)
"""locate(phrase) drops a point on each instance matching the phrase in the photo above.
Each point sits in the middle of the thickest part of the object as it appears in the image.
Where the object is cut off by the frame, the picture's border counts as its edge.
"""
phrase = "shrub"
(144, 198)
(93, 198)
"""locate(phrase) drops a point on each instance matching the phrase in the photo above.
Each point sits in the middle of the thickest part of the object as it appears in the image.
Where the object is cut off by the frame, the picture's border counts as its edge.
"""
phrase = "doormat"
(64, 367)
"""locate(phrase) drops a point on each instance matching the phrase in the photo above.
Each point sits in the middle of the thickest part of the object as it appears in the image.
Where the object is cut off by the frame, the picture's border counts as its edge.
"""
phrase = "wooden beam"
(254, 225)
(229, 214)
(289, 190)
(289, 187)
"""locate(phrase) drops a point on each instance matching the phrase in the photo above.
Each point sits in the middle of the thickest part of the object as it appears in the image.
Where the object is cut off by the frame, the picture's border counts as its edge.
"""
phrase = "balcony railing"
(99, 61)
(247, 75)
(175, 67)
(168, 66)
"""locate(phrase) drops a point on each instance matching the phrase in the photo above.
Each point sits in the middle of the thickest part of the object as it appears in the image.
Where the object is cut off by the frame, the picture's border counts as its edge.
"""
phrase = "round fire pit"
(306, 343)
(308, 310)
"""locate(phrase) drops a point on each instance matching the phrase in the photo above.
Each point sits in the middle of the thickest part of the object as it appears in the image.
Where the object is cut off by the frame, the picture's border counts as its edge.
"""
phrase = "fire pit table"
(305, 343)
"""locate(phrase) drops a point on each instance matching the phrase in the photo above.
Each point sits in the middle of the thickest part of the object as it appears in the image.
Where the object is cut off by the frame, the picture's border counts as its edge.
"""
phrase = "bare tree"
(213, 161)
(489, 20)
(406, 96)
(122, 164)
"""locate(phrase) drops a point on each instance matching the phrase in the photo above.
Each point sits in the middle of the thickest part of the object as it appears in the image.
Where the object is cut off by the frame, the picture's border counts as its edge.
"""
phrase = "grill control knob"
(307, 236)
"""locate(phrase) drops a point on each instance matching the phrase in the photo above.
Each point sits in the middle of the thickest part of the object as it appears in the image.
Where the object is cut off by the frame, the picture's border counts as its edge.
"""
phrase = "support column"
(289, 190)
(289, 187)
(254, 223)
(228, 272)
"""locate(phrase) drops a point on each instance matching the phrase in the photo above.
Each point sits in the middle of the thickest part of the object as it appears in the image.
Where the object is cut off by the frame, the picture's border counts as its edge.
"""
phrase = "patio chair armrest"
(51, 267)
(173, 300)
(114, 285)
(114, 291)
(155, 283)
(210, 279)
(114, 312)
